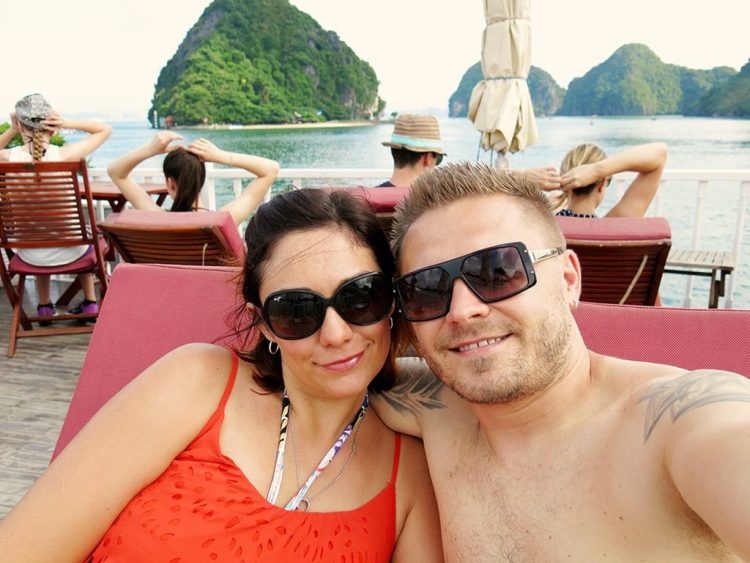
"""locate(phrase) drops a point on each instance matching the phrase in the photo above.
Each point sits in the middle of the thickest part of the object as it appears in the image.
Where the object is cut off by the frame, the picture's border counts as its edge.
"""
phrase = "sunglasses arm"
(539, 255)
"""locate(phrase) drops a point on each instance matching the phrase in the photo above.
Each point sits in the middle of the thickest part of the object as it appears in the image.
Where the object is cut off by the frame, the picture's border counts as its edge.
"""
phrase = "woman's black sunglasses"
(492, 274)
(292, 314)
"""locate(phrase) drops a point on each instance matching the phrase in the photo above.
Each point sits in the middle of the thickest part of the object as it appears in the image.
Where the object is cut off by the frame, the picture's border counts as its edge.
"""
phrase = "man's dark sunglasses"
(492, 274)
(438, 158)
(292, 314)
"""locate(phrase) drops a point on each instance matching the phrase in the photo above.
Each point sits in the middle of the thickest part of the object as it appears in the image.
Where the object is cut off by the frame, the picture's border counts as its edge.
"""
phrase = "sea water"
(694, 143)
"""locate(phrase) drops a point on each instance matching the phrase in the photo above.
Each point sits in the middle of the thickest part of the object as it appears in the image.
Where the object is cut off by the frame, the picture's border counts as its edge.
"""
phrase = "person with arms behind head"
(269, 454)
(37, 123)
(587, 170)
(185, 172)
(540, 449)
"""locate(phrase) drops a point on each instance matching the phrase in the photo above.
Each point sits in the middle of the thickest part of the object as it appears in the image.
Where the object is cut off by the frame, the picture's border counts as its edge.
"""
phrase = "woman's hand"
(14, 122)
(547, 177)
(206, 150)
(161, 142)
(54, 122)
(580, 176)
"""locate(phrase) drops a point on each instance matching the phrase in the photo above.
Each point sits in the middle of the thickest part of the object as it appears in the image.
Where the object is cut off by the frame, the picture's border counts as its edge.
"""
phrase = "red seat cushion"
(85, 263)
(615, 228)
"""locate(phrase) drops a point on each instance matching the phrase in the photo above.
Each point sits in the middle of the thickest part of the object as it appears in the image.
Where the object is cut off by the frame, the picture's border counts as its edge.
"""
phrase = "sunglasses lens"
(439, 159)
(365, 300)
(496, 273)
(425, 294)
(493, 274)
(295, 314)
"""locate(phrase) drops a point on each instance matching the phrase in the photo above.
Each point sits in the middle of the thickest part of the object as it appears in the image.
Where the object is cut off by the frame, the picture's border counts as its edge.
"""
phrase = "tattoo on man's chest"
(689, 392)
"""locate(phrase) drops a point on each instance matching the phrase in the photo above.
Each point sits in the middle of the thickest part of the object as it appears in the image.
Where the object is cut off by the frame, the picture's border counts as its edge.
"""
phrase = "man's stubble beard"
(542, 353)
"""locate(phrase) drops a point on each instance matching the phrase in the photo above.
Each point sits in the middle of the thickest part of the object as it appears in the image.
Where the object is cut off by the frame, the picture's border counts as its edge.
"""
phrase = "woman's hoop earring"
(273, 347)
(390, 322)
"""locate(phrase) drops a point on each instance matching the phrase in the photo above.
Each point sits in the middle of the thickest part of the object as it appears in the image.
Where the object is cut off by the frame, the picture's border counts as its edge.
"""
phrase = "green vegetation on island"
(263, 61)
(730, 98)
(546, 94)
(634, 81)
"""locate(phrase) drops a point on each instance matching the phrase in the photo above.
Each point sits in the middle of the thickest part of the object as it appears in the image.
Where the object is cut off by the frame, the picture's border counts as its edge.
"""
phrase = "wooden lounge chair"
(41, 206)
(151, 237)
(622, 259)
(145, 317)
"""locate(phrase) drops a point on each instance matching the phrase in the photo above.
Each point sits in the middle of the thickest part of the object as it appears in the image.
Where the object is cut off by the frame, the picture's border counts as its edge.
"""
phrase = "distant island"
(632, 81)
(263, 61)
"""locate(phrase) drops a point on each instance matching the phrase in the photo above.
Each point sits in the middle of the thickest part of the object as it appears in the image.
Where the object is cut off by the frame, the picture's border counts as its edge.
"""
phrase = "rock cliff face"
(546, 94)
(263, 61)
(634, 81)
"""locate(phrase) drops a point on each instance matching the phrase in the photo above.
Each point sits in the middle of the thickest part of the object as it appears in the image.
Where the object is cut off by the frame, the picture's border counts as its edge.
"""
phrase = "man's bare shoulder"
(668, 399)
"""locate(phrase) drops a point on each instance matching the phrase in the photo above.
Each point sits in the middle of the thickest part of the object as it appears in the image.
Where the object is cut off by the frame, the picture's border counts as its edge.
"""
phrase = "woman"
(291, 465)
(587, 171)
(37, 122)
(185, 172)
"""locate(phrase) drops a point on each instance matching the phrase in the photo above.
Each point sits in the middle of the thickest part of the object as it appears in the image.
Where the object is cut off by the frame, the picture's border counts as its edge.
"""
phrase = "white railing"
(728, 181)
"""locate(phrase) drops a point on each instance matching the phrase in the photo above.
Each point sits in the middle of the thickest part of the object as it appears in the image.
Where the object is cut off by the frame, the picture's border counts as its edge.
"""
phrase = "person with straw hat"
(415, 146)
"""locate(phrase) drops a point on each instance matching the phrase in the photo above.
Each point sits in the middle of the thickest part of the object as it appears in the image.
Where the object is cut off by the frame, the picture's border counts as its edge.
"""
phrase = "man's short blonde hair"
(447, 184)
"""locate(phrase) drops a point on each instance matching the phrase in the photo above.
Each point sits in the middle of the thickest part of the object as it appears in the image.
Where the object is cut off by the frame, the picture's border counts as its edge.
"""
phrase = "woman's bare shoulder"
(199, 370)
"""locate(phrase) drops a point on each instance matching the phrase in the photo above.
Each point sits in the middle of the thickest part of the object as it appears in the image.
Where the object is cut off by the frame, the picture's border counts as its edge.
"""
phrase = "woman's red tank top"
(203, 508)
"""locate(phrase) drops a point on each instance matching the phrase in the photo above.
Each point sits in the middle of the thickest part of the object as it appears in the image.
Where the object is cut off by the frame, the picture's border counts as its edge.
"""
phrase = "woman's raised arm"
(121, 168)
(255, 192)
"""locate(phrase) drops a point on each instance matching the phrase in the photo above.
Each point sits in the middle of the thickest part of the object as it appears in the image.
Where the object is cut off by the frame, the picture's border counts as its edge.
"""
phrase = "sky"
(103, 57)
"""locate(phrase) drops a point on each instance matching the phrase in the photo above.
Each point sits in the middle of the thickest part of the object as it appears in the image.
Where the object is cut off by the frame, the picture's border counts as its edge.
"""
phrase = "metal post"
(738, 231)
(658, 198)
(701, 196)
(208, 193)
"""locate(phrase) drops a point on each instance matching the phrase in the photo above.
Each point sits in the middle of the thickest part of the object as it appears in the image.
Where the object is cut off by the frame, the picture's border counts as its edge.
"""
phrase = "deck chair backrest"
(156, 237)
(149, 310)
(41, 205)
(46, 205)
(622, 258)
(382, 201)
(687, 338)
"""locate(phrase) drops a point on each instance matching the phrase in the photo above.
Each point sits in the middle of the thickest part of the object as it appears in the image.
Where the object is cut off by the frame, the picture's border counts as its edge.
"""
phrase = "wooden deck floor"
(35, 389)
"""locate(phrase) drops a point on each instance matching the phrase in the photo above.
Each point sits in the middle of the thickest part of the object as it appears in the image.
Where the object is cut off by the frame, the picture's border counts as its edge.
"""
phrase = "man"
(539, 449)
(415, 147)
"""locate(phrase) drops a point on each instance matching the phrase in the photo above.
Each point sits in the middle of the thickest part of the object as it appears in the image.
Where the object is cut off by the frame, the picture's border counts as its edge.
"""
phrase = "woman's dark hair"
(305, 210)
(189, 172)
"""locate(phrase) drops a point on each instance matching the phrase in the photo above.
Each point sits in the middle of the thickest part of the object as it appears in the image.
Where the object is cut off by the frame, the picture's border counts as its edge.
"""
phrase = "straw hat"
(417, 133)
(31, 110)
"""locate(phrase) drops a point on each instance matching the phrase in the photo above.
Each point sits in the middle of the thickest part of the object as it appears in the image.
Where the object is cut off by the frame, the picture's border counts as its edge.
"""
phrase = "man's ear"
(572, 276)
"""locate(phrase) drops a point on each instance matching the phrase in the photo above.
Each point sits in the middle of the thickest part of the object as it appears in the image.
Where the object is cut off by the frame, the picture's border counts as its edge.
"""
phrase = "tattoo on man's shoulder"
(415, 391)
(689, 392)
